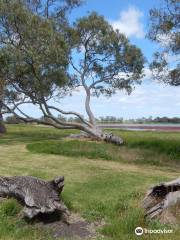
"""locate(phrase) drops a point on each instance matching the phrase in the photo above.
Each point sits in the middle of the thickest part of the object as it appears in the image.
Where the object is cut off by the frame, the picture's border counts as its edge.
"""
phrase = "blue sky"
(148, 99)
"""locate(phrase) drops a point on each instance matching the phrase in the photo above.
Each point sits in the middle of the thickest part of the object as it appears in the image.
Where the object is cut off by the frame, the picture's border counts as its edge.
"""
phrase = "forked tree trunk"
(163, 202)
(95, 131)
(38, 196)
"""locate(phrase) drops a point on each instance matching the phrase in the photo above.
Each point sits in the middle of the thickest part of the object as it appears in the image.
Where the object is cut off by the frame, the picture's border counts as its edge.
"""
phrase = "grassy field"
(102, 181)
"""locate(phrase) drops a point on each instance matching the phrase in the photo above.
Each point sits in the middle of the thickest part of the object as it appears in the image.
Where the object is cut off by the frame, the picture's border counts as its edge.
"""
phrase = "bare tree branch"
(71, 113)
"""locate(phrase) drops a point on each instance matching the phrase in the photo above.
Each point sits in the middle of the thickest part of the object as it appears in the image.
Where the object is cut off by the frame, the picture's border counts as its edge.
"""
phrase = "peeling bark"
(161, 200)
(37, 196)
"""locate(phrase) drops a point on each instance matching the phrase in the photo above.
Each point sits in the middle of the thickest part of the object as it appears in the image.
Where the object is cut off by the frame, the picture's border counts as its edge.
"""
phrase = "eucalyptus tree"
(103, 62)
(2, 126)
(3, 90)
(32, 42)
(49, 59)
(10, 37)
(165, 30)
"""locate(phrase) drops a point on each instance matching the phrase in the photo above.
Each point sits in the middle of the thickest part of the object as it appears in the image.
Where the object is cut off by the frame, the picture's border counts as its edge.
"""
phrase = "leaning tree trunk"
(38, 196)
(94, 130)
(163, 202)
(97, 134)
(107, 137)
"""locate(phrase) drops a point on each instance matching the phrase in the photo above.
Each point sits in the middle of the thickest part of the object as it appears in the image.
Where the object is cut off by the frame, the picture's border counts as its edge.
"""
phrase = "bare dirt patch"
(76, 228)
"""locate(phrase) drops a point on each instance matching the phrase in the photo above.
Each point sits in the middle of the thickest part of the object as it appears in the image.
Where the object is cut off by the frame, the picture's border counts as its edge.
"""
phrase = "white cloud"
(129, 22)
(148, 99)
(164, 39)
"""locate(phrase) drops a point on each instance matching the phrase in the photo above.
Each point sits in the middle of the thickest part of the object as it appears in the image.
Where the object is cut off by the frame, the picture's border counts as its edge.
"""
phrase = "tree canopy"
(164, 29)
(48, 58)
(106, 60)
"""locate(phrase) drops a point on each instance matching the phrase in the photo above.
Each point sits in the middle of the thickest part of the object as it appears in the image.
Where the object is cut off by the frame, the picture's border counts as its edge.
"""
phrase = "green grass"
(166, 151)
(10, 208)
(27, 133)
(91, 150)
(103, 182)
(160, 142)
(13, 227)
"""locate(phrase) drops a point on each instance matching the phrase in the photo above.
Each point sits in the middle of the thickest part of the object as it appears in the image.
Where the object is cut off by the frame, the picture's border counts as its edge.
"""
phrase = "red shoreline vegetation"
(143, 127)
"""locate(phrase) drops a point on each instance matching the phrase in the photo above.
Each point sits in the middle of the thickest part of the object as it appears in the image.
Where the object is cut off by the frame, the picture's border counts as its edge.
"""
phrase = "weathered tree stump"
(37, 196)
(163, 202)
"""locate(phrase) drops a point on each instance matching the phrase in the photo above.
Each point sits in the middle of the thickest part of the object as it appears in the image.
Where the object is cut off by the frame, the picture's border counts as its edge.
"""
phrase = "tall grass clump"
(72, 148)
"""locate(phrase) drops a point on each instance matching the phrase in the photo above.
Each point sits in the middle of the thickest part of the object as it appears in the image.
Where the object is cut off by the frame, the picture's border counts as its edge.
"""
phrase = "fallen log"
(37, 196)
(107, 137)
(163, 202)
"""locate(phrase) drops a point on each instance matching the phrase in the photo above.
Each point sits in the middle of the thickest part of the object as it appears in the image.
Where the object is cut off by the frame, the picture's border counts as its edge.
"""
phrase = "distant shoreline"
(166, 127)
(144, 127)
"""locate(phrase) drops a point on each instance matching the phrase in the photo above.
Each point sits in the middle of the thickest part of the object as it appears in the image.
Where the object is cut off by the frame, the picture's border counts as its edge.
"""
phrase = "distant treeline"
(107, 119)
(111, 119)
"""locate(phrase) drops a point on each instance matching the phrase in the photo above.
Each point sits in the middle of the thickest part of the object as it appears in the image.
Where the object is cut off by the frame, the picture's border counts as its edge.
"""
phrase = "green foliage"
(38, 54)
(164, 29)
(107, 61)
(40, 46)
(37, 50)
